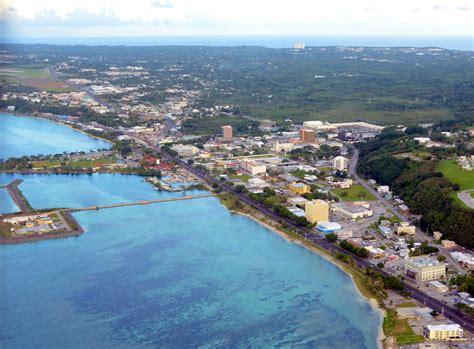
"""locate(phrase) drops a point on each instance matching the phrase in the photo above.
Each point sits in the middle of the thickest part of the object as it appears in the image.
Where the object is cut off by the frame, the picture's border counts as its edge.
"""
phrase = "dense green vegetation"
(358, 251)
(426, 191)
(389, 85)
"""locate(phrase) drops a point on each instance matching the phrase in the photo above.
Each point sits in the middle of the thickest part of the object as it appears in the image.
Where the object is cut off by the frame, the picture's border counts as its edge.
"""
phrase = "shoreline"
(58, 122)
(372, 301)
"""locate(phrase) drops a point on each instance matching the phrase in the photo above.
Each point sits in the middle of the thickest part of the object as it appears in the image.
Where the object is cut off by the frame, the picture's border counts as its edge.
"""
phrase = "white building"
(352, 211)
(339, 163)
(438, 286)
(443, 332)
(185, 150)
(252, 167)
(383, 189)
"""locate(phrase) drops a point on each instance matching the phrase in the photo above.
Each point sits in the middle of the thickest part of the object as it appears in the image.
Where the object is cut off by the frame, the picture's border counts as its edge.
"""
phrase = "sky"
(120, 18)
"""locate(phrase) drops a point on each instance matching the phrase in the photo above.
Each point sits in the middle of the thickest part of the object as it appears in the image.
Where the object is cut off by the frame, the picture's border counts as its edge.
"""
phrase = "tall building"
(227, 133)
(307, 135)
(339, 163)
(317, 211)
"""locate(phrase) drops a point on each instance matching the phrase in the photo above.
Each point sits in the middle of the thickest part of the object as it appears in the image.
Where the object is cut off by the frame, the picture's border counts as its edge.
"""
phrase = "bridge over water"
(144, 202)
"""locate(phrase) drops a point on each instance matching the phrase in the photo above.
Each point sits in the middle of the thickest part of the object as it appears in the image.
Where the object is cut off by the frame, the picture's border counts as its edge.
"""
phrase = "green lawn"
(354, 193)
(472, 195)
(244, 178)
(452, 171)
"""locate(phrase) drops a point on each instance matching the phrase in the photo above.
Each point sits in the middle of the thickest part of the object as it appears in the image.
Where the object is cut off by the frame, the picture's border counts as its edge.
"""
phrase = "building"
(285, 147)
(405, 228)
(344, 234)
(438, 286)
(298, 46)
(297, 200)
(307, 135)
(317, 211)
(299, 188)
(312, 124)
(256, 183)
(466, 260)
(328, 227)
(252, 167)
(425, 269)
(227, 133)
(339, 163)
(437, 235)
(352, 211)
(443, 332)
(185, 150)
(448, 244)
(383, 189)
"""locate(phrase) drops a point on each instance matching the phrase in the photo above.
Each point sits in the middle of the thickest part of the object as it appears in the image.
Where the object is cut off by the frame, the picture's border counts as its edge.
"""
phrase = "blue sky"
(103, 18)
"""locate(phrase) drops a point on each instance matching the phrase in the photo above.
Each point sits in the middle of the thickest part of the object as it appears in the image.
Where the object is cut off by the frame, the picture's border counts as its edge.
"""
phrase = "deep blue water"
(465, 43)
(175, 275)
(21, 136)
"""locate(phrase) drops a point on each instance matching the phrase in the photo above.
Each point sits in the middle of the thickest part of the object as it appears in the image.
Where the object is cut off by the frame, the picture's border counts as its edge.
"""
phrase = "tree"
(331, 237)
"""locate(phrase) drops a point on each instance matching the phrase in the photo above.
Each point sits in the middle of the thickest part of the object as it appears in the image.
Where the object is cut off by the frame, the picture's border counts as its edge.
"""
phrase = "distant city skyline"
(108, 18)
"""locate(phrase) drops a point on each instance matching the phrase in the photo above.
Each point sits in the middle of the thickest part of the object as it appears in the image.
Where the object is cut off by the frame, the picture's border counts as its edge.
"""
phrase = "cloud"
(162, 4)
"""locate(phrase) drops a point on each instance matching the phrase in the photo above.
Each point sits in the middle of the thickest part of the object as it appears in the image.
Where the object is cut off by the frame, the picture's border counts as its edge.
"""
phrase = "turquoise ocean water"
(185, 274)
(176, 275)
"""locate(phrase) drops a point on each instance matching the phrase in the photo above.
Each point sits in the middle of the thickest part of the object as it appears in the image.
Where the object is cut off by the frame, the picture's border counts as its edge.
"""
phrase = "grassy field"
(244, 178)
(354, 193)
(400, 329)
(37, 77)
(74, 164)
(452, 171)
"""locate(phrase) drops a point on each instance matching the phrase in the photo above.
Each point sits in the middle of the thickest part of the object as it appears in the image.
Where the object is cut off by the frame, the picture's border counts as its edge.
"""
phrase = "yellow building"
(425, 269)
(443, 332)
(406, 228)
(317, 211)
(299, 188)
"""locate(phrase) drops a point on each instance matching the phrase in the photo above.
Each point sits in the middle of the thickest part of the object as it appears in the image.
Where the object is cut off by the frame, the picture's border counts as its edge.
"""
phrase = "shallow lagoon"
(20, 136)
(177, 274)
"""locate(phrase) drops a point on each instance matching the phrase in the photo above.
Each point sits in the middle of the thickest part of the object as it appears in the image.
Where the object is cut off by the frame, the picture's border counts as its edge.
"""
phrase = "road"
(363, 182)
(145, 202)
(465, 196)
(17, 195)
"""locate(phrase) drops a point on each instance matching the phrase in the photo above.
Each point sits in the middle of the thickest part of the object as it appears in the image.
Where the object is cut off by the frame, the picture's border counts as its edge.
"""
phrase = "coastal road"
(465, 196)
